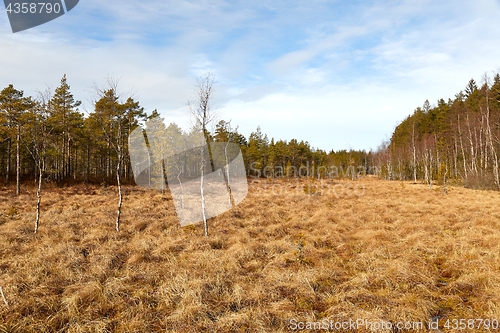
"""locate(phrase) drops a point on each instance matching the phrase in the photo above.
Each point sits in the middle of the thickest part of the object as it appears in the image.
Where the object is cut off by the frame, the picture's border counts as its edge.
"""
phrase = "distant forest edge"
(456, 141)
(81, 147)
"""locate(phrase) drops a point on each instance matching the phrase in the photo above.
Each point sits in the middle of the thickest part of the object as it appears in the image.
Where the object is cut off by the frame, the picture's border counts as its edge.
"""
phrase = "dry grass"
(379, 251)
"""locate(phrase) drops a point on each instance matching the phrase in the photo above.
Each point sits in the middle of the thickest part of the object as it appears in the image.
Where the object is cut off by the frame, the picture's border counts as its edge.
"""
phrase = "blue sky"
(335, 73)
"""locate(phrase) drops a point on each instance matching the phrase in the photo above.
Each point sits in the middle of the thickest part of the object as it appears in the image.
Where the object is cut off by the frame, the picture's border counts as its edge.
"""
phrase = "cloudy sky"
(338, 74)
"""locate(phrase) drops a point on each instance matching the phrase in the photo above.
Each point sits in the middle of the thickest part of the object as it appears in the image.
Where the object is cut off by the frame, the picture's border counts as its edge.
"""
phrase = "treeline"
(457, 140)
(270, 158)
(48, 136)
(50, 131)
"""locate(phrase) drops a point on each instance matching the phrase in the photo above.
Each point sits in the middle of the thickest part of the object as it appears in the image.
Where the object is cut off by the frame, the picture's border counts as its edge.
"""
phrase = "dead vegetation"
(371, 249)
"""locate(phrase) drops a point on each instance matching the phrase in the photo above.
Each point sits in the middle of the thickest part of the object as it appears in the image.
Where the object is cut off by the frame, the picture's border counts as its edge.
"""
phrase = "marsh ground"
(368, 249)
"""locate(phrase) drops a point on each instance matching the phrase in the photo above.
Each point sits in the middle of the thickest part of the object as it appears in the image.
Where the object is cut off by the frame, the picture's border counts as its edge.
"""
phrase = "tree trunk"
(76, 164)
(108, 162)
(426, 166)
(482, 158)
(18, 160)
(39, 193)
(202, 179)
(120, 199)
(492, 147)
(389, 169)
(430, 169)
(462, 146)
(63, 157)
(455, 157)
(445, 191)
(472, 153)
(182, 187)
(414, 155)
(87, 176)
(68, 163)
(118, 176)
(228, 182)
(9, 147)
(164, 183)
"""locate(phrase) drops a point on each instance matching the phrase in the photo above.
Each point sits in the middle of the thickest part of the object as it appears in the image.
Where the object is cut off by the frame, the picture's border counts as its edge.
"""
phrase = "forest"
(47, 136)
(456, 139)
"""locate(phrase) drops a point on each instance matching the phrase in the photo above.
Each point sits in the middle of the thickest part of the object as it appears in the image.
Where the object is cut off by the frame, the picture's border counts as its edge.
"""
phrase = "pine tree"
(67, 122)
(37, 142)
(470, 88)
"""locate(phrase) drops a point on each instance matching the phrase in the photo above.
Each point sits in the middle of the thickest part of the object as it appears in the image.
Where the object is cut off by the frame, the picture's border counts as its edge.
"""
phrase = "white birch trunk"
(41, 167)
(228, 182)
(462, 147)
(202, 179)
(414, 156)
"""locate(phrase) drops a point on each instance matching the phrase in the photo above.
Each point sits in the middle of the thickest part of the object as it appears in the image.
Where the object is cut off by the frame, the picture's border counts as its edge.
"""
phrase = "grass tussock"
(369, 249)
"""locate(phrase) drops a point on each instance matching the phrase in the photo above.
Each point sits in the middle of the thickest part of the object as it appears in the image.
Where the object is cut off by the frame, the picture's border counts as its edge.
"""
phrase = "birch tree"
(414, 154)
(38, 141)
(203, 115)
(114, 119)
(226, 135)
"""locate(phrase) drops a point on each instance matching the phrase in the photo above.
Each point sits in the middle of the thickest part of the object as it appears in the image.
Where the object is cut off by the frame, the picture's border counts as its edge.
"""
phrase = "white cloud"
(333, 118)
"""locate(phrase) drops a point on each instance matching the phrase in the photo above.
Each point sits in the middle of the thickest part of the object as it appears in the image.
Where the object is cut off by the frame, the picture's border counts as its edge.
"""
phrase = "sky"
(338, 74)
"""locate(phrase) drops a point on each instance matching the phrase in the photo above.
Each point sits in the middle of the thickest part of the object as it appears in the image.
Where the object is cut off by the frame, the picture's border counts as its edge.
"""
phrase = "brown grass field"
(378, 251)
